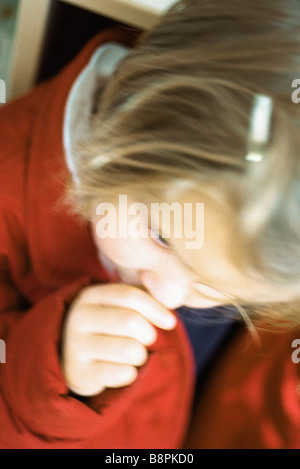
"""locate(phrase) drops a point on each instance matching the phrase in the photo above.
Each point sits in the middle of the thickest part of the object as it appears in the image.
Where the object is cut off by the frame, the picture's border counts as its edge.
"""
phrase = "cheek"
(119, 251)
(129, 253)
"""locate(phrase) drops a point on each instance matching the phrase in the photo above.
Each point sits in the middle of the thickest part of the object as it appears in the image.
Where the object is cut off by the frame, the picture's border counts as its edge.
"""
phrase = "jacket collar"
(80, 101)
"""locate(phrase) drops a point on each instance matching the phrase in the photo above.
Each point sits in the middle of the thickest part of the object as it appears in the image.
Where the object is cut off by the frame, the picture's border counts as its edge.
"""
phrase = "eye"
(157, 238)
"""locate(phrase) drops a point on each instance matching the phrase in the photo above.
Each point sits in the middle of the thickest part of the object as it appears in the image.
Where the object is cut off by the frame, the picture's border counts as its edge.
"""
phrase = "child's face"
(172, 273)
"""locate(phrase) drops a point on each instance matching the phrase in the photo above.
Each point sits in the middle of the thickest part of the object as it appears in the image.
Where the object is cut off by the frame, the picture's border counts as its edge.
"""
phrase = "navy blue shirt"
(207, 330)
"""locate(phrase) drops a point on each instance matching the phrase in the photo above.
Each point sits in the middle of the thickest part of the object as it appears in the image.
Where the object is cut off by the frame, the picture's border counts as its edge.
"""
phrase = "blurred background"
(38, 37)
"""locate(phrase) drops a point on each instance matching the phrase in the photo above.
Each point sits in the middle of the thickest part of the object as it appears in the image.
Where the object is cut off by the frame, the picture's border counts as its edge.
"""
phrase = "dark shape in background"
(69, 29)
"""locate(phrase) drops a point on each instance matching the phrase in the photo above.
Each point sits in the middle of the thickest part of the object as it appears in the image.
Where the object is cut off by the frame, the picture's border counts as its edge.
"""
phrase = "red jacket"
(46, 257)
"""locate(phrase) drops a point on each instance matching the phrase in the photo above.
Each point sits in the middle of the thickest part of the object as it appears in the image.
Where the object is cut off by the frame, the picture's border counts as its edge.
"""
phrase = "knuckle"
(89, 389)
(127, 374)
(142, 358)
(139, 328)
(128, 295)
(84, 292)
(135, 353)
(122, 375)
(82, 357)
(132, 293)
(131, 321)
(77, 319)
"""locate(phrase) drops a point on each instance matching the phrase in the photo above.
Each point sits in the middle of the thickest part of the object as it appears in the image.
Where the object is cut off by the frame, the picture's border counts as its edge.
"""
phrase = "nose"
(169, 292)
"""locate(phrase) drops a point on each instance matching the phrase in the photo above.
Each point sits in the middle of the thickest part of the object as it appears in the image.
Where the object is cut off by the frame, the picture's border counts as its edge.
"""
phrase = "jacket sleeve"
(36, 410)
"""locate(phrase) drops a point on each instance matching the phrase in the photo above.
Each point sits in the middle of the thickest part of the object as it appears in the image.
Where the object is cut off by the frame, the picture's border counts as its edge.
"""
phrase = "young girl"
(198, 112)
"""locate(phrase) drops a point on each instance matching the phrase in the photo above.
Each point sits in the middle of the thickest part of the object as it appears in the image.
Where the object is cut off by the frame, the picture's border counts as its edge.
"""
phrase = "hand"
(105, 336)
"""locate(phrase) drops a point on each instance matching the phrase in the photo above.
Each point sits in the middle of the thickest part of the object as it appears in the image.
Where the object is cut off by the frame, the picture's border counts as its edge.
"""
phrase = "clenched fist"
(106, 334)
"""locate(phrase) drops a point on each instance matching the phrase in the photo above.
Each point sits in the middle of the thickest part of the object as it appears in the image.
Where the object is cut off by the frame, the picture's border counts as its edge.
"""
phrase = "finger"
(114, 350)
(98, 376)
(114, 321)
(133, 298)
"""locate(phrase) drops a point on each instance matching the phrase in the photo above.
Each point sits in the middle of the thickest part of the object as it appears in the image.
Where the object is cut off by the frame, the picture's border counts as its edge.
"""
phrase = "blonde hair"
(178, 108)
